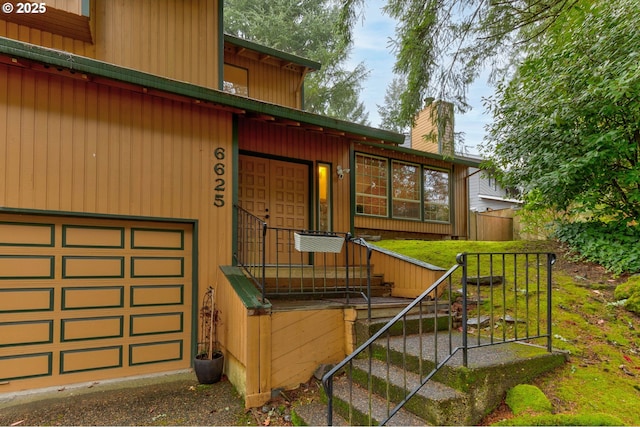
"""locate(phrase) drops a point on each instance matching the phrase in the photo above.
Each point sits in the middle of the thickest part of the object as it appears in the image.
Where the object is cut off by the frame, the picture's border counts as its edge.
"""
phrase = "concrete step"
(434, 402)
(363, 404)
(416, 323)
(490, 372)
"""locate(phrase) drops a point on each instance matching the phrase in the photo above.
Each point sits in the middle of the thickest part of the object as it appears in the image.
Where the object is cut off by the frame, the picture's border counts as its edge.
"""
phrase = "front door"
(278, 193)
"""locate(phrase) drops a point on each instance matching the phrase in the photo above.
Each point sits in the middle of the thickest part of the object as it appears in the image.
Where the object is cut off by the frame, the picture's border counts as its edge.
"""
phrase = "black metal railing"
(428, 325)
(290, 262)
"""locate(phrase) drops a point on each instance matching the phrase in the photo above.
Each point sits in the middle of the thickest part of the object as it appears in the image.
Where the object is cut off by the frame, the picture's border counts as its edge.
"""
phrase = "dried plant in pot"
(209, 361)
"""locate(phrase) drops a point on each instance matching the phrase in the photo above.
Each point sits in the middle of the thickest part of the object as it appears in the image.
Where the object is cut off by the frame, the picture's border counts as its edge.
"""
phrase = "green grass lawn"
(603, 339)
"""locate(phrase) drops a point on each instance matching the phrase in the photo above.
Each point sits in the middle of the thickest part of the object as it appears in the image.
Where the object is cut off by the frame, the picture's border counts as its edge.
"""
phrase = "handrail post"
(329, 390)
(347, 239)
(551, 259)
(462, 260)
(264, 262)
(369, 253)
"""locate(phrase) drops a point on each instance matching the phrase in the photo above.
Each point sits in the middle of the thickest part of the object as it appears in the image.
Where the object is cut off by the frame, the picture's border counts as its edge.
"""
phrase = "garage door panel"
(19, 300)
(26, 267)
(25, 234)
(155, 352)
(91, 328)
(156, 323)
(83, 236)
(89, 267)
(157, 267)
(86, 299)
(26, 333)
(156, 295)
(145, 238)
(25, 366)
(82, 298)
(90, 359)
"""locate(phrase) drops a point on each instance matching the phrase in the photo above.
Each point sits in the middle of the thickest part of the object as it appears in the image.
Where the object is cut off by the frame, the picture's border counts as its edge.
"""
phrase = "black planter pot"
(209, 371)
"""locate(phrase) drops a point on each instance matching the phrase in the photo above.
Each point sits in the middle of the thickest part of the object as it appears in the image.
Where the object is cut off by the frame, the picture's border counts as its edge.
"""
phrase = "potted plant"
(209, 360)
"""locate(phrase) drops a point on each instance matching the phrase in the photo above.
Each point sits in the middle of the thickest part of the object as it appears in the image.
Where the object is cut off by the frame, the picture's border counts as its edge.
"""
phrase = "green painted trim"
(86, 8)
(31, 322)
(89, 66)
(249, 295)
(220, 44)
(69, 257)
(298, 60)
(134, 287)
(194, 288)
(49, 356)
(91, 227)
(406, 258)
(235, 161)
(91, 288)
(50, 290)
(87, 350)
(136, 258)
(156, 315)
(352, 189)
(133, 346)
(134, 229)
(32, 224)
(63, 323)
(71, 214)
(51, 267)
(457, 160)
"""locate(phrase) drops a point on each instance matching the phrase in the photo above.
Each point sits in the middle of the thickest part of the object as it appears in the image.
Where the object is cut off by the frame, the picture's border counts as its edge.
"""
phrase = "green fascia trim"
(405, 258)
(249, 295)
(298, 60)
(95, 215)
(457, 160)
(82, 64)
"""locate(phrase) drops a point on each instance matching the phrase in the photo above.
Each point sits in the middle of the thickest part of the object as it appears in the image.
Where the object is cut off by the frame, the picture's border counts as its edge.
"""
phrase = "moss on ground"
(599, 385)
(527, 398)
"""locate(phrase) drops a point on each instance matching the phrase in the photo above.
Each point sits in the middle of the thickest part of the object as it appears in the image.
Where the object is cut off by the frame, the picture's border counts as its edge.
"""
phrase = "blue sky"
(371, 46)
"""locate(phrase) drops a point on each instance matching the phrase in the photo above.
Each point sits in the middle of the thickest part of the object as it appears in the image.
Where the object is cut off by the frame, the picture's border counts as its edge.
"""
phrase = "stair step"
(434, 402)
(386, 312)
(346, 392)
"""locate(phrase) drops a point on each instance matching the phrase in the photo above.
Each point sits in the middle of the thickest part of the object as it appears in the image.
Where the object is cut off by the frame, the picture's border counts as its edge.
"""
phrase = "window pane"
(324, 197)
(236, 80)
(436, 196)
(371, 185)
(406, 190)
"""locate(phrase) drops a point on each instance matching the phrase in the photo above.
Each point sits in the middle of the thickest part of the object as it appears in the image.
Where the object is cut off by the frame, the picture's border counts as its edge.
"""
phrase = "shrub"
(614, 245)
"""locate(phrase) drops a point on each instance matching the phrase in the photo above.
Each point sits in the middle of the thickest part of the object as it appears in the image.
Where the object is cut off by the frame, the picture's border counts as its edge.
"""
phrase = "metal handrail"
(494, 261)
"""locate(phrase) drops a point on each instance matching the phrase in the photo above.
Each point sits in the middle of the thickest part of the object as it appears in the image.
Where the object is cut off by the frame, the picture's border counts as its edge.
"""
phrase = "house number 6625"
(218, 170)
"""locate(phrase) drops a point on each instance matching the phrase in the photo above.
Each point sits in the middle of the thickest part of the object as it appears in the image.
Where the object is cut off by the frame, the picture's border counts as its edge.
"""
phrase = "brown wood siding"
(177, 39)
(298, 144)
(72, 146)
(457, 182)
(268, 82)
(45, 38)
(409, 280)
(304, 340)
(424, 125)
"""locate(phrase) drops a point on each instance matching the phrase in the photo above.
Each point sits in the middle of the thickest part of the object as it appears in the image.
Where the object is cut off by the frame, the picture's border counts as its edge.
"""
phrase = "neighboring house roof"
(91, 69)
(270, 52)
